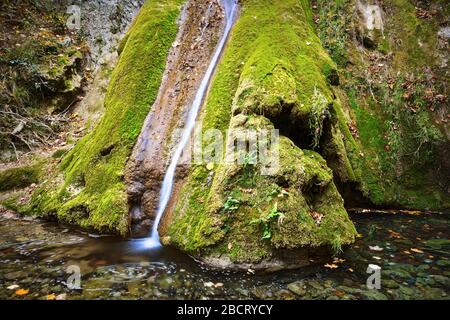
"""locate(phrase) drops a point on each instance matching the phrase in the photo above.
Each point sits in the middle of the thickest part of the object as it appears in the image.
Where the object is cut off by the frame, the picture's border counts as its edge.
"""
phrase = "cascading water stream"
(153, 242)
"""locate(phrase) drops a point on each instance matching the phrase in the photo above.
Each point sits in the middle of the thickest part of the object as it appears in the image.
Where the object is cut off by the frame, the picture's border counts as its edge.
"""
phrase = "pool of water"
(412, 251)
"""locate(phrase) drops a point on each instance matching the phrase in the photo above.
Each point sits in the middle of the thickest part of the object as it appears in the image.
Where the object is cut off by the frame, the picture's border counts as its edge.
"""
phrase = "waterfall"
(153, 242)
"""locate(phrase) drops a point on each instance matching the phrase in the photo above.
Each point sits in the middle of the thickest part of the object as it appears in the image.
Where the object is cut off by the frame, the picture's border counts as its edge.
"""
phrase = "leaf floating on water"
(416, 250)
(338, 260)
(376, 248)
(394, 234)
(22, 292)
(12, 287)
(331, 266)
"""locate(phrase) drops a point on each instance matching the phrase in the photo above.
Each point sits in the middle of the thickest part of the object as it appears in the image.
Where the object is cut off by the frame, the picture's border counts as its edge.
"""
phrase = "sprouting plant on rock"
(231, 204)
(265, 221)
(319, 112)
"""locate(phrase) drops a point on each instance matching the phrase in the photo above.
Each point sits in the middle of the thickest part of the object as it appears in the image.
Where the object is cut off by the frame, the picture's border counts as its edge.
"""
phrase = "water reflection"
(413, 253)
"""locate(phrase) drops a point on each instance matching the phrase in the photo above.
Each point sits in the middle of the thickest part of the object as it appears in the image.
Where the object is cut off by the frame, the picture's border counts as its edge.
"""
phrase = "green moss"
(93, 178)
(395, 153)
(261, 76)
(19, 177)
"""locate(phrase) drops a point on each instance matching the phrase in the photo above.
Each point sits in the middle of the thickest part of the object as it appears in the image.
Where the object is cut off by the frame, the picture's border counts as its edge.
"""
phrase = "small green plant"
(249, 175)
(336, 245)
(319, 113)
(231, 204)
(265, 221)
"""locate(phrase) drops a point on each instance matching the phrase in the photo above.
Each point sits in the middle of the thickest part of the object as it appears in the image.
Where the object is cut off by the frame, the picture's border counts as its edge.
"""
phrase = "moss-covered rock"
(88, 188)
(235, 216)
(394, 97)
(19, 177)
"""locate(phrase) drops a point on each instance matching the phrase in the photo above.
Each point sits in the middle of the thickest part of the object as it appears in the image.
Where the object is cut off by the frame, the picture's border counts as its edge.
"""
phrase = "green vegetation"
(266, 220)
(391, 106)
(41, 74)
(19, 177)
(93, 192)
(262, 78)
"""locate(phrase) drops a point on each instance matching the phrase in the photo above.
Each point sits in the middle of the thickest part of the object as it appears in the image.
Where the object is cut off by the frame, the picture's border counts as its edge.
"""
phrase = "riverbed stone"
(373, 295)
(443, 262)
(298, 288)
(442, 280)
(390, 284)
(434, 294)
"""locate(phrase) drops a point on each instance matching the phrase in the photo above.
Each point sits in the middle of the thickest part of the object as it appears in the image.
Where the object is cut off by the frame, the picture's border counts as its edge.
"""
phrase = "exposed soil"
(201, 23)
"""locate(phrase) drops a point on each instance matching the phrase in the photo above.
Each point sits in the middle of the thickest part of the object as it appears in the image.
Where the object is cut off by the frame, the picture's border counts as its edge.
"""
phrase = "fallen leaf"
(51, 296)
(22, 292)
(350, 269)
(416, 250)
(208, 284)
(376, 258)
(218, 285)
(331, 266)
(12, 287)
(61, 296)
(394, 234)
(375, 248)
(337, 260)
(339, 294)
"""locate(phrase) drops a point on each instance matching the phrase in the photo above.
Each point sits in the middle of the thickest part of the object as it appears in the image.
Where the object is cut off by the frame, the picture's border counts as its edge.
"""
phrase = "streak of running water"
(153, 242)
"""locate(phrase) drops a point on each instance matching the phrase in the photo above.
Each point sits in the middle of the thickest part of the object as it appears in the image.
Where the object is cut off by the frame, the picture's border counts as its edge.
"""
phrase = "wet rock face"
(200, 24)
(104, 22)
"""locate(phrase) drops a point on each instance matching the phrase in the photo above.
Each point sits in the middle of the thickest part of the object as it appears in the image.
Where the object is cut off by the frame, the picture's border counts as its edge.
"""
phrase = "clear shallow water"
(34, 256)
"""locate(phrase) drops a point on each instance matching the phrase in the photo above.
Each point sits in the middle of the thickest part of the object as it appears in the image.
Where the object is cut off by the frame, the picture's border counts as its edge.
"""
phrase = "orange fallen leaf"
(350, 269)
(51, 296)
(22, 292)
(406, 251)
(394, 234)
(416, 250)
(331, 266)
(339, 294)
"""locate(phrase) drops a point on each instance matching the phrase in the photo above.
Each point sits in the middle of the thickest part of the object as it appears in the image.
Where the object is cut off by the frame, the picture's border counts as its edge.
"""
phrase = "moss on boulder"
(88, 189)
(234, 216)
(19, 177)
